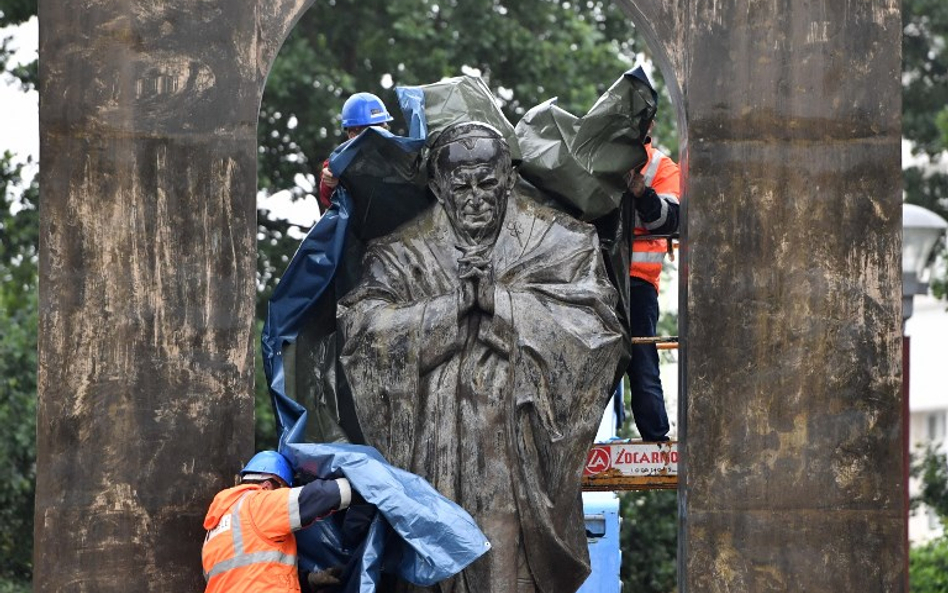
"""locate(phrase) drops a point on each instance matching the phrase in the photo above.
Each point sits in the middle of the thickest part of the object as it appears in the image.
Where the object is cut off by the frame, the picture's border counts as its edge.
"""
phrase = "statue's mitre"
(468, 134)
(470, 141)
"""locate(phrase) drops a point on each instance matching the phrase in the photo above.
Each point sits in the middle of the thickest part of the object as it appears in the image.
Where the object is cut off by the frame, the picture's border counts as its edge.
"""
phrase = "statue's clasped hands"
(476, 273)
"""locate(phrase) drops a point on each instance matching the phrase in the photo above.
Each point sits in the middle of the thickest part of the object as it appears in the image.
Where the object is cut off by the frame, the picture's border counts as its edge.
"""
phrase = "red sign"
(633, 459)
(597, 461)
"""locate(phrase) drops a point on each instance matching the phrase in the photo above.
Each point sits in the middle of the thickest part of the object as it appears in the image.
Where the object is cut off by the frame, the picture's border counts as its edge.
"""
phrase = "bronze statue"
(481, 346)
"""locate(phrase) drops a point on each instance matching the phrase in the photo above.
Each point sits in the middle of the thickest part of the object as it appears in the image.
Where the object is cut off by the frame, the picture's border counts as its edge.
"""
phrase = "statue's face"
(475, 197)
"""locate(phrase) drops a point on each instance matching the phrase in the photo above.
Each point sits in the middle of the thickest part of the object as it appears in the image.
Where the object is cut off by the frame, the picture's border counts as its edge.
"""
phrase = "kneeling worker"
(250, 544)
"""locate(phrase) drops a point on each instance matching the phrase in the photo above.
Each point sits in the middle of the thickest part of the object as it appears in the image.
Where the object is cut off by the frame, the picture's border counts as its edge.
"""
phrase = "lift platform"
(614, 465)
(623, 465)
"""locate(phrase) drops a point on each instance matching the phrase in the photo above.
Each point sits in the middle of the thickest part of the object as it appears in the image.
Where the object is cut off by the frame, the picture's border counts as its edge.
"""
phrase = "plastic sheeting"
(307, 279)
(435, 539)
(577, 163)
(583, 161)
(462, 99)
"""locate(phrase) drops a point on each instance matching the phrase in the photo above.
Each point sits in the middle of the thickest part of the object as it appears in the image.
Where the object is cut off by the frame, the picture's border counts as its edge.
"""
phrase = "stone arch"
(276, 21)
(793, 459)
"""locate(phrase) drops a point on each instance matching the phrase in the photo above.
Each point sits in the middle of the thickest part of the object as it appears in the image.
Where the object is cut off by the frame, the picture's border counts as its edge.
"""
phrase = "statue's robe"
(497, 410)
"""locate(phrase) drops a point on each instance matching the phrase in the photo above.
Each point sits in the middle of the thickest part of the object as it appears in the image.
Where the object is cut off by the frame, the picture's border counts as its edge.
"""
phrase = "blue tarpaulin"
(435, 538)
(312, 272)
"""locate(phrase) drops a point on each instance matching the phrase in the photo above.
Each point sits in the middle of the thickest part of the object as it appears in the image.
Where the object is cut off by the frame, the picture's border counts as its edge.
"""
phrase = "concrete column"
(147, 261)
(793, 468)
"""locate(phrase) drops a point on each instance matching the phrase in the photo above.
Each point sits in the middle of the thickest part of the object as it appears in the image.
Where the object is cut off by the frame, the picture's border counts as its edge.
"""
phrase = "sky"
(19, 113)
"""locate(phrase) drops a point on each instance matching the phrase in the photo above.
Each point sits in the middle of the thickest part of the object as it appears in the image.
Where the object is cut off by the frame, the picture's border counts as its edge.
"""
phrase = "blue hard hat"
(364, 109)
(269, 462)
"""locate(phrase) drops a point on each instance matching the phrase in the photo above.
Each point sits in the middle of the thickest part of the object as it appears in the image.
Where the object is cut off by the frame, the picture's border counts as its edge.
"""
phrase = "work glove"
(321, 579)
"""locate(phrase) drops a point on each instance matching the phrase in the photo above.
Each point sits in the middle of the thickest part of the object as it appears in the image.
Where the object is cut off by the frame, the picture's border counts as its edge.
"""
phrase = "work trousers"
(645, 383)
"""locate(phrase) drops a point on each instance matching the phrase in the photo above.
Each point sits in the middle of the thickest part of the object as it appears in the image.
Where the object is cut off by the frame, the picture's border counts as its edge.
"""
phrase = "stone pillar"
(147, 263)
(792, 461)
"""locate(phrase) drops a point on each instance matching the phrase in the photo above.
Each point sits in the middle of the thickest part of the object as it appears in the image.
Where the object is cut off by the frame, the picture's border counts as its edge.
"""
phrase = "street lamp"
(921, 229)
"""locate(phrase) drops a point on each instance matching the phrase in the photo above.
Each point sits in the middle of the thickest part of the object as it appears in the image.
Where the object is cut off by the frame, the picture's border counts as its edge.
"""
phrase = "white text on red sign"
(633, 459)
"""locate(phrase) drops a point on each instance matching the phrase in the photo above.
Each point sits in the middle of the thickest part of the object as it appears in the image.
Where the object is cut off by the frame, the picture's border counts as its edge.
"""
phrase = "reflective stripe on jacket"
(250, 546)
(662, 175)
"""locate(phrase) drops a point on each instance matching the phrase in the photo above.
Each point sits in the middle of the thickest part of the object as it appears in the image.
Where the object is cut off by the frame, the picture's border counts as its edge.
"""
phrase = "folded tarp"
(404, 528)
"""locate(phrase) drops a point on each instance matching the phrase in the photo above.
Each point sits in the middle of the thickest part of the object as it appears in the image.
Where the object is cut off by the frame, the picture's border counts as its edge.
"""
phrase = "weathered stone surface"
(148, 139)
(792, 462)
(793, 550)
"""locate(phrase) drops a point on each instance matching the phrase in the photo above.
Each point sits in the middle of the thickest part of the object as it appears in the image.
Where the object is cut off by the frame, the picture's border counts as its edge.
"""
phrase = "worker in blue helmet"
(360, 111)
(265, 466)
(250, 546)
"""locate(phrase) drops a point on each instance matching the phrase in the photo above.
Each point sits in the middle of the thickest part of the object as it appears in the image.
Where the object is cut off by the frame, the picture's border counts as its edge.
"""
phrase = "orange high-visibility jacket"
(662, 175)
(250, 546)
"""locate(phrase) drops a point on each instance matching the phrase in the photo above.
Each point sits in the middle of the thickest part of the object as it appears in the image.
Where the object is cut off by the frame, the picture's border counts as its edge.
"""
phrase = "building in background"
(928, 397)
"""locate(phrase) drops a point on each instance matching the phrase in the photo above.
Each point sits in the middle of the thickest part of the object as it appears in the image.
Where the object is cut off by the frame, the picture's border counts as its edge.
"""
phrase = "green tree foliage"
(928, 563)
(649, 541)
(928, 567)
(264, 434)
(649, 530)
(19, 232)
(14, 12)
(925, 75)
(925, 107)
(19, 236)
(528, 51)
(18, 239)
(17, 436)
(931, 468)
